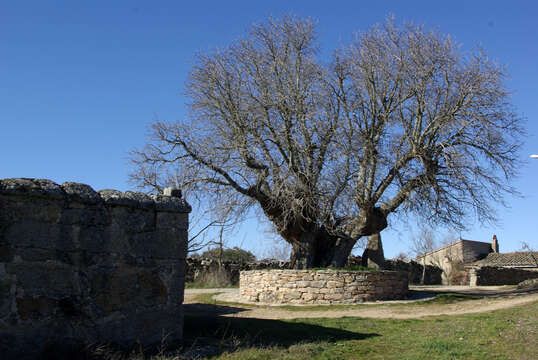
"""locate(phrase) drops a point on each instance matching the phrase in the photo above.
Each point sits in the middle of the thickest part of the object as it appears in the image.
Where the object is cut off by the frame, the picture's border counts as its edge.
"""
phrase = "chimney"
(495, 244)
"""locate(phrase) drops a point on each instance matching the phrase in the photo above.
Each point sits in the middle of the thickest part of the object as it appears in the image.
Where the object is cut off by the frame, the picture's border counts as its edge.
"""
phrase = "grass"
(505, 334)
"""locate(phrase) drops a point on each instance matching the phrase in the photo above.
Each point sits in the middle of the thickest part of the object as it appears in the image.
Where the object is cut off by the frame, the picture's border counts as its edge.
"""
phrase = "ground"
(436, 323)
(474, 300)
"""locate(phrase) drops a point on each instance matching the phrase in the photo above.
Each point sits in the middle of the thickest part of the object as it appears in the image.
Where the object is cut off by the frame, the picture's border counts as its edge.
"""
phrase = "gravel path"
(495, 298)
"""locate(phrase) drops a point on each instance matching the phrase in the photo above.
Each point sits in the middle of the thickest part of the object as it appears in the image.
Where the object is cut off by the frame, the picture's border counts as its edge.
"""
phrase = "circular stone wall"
(321, 286)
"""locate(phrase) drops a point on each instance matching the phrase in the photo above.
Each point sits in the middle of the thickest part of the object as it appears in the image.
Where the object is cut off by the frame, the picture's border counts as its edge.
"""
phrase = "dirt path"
(494, 299)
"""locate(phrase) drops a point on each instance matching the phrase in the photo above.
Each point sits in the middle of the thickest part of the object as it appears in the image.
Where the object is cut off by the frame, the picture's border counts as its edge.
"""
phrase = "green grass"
(505, 334)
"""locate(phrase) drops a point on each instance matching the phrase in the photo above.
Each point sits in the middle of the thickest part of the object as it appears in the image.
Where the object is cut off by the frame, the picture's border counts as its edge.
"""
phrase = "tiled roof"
(513, 259)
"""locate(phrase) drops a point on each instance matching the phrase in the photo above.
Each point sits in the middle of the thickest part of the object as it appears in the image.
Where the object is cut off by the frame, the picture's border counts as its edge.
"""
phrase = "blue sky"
(80, 82)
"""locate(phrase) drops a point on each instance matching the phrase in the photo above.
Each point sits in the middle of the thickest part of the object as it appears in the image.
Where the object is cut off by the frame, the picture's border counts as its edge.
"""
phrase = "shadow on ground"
(210, 335)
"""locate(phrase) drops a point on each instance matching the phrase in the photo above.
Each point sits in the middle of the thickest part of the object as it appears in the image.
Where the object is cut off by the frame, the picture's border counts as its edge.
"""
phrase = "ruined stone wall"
(488, 275)
(80, 267)
(321, 286)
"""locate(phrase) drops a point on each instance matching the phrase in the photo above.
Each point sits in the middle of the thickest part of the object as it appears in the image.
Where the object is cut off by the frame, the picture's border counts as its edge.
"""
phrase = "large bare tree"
(401, 119)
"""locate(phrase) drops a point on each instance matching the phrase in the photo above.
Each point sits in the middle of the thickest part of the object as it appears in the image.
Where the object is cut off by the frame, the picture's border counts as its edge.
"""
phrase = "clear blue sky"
(81, 80)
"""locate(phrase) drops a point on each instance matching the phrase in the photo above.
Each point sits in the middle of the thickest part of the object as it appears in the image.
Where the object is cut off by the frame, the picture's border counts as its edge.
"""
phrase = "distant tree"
(402, 256)
(234, 254)
(400, 121)
(423, 243)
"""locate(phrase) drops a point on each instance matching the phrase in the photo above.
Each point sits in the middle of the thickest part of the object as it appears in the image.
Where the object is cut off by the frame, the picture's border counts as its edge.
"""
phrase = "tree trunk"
(314, 246)
(319, 249)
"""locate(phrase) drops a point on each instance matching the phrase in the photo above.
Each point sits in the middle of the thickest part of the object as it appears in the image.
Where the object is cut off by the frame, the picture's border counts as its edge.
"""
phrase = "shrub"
(212, 278)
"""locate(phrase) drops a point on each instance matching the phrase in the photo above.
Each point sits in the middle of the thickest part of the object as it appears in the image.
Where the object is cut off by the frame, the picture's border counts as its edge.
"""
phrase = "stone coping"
(44, 188)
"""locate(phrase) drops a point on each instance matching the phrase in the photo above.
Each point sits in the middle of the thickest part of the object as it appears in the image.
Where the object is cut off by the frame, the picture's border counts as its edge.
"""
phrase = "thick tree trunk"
(315, 247)
(319, 249)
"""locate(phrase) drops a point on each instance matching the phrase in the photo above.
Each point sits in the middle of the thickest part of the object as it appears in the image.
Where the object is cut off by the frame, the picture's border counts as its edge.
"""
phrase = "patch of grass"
(504, 334)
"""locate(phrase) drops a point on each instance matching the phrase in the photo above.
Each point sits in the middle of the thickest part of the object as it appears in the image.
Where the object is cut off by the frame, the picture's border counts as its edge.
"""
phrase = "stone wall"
(80, 267)
(488, 275)
(197, 267)
(321, 286)
(432, 275)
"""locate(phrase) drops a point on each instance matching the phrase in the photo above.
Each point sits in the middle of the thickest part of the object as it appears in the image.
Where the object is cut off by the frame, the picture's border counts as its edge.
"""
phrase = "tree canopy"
(399, 121)
(234, 255)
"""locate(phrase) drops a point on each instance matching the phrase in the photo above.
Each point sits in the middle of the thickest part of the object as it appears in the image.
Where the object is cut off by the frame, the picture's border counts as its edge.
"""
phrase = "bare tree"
(278, 250)
(402, 256)
(422, 244)
(398, 120)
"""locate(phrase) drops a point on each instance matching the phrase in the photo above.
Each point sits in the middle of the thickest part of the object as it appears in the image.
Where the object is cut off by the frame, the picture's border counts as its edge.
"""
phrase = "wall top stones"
(44, 188)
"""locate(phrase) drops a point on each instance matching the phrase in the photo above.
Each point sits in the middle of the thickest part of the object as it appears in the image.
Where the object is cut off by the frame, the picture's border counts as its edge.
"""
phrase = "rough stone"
(79, 267)
(259, 285)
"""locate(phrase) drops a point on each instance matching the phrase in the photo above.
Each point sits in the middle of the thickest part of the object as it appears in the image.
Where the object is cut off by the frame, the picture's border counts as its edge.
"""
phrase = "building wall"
(79, 267)
(450, 257)
(475, 250)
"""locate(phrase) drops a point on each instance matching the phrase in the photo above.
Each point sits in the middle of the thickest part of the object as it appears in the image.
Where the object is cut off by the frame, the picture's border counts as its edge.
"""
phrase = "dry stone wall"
(321, 286)
(196, 268)
(79, 266)
(489, 275)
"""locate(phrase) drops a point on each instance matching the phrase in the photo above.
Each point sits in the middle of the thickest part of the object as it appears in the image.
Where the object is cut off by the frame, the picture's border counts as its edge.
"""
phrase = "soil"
(489, 298)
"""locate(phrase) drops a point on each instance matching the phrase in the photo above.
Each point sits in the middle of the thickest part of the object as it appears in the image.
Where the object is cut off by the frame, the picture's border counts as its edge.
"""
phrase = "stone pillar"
(495, 244)
(373, 254)
(473, 278)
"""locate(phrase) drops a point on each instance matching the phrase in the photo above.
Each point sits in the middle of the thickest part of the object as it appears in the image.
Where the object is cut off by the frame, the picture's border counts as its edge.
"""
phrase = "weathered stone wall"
(432, 275)
(197, 267)
(487, 275)
(321, 286)
(79, 267)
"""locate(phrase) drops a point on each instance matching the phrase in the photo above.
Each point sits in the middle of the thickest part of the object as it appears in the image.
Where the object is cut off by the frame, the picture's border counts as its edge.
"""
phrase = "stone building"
(504, 269)
(452, 257)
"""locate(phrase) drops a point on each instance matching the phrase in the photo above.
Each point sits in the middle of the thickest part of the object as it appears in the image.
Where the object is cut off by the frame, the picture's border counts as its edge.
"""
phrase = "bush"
(213, 278)
(235, 255)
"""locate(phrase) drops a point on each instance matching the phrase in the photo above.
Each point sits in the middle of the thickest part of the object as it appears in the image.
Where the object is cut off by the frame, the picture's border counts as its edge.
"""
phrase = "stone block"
(51, 278)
